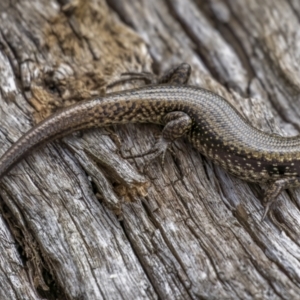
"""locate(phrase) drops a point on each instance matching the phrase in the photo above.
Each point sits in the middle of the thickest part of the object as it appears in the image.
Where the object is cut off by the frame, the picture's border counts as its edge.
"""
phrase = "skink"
(213, 126)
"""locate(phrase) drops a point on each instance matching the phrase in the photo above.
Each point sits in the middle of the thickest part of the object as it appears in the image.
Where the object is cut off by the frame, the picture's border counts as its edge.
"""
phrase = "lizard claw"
(148, 78)
(266, 211)
(160, 148)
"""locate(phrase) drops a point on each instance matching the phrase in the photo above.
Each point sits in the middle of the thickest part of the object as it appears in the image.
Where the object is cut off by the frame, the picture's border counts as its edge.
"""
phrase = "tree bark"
(78, 219)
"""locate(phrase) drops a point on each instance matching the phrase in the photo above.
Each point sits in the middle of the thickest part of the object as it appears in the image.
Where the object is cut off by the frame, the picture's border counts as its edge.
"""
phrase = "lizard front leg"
(275, 188)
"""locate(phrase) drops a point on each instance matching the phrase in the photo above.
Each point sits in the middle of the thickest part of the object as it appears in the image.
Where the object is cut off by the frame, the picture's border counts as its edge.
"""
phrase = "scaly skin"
(212, 126)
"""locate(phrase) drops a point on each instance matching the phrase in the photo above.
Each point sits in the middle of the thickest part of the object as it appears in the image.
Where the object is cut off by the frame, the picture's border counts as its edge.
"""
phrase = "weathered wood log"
(81, 221)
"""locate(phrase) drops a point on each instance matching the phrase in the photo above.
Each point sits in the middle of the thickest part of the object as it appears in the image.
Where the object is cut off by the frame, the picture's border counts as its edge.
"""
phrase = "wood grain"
(78, 220)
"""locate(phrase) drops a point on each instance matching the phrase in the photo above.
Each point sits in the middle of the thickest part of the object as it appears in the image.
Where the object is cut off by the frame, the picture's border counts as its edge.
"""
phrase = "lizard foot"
(158, 150)
(147, 77)
(274, 189)
(177, 75)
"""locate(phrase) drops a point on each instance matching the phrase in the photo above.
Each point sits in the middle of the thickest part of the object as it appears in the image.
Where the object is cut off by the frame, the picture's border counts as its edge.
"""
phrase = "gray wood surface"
(80, 221)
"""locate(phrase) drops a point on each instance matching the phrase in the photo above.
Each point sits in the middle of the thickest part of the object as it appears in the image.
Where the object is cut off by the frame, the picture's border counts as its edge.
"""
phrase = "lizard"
(211, 124)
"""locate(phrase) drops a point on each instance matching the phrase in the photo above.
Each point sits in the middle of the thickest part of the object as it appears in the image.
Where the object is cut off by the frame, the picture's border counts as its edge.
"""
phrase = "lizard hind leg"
(177, 124)
(275, 189)
(177, 75)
